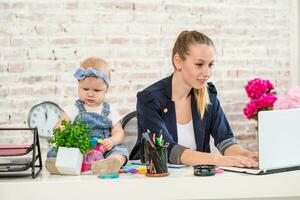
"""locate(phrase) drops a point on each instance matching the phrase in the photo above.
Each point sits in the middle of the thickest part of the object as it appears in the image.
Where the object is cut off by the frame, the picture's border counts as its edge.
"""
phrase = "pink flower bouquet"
(261, 97)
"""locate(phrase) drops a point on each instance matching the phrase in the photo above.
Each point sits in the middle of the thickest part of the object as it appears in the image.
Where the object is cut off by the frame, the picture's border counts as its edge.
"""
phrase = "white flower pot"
(69, 161)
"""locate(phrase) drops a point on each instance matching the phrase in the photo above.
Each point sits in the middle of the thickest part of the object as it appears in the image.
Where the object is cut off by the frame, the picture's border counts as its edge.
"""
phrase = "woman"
(186, 108)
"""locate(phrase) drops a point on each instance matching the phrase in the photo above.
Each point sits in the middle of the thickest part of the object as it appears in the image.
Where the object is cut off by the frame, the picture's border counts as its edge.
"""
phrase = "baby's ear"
(108, 89)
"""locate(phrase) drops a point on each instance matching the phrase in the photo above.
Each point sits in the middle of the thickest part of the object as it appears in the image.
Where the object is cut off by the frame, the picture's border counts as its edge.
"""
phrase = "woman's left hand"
(108, 144)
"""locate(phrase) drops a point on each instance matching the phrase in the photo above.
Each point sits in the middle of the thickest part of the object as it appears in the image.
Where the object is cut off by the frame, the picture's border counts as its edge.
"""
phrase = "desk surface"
(180, 184)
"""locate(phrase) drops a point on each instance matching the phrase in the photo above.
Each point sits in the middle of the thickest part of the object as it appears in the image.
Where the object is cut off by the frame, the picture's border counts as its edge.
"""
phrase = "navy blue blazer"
(156, 111)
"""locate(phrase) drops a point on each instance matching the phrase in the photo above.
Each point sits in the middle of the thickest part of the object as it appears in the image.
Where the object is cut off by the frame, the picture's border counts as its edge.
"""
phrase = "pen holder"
(142, 151)
(156, 159)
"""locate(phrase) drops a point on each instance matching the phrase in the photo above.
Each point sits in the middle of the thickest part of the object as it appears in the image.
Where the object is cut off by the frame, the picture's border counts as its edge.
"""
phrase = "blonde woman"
(186, 108)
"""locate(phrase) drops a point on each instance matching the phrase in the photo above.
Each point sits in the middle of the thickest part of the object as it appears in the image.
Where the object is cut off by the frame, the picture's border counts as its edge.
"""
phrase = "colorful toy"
(93, 155)
(94, 141)
(106, 176)
(219, 171)
(133, 169)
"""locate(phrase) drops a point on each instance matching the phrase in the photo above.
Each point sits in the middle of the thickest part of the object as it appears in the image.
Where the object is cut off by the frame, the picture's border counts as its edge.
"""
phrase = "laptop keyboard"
(250, 167)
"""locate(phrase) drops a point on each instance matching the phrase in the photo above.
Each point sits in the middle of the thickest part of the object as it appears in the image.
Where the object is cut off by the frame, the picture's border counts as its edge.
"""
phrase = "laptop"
(278, 142)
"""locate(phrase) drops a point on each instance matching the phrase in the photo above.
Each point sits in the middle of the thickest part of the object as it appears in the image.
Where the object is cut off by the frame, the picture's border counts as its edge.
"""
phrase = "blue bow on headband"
(82, 73)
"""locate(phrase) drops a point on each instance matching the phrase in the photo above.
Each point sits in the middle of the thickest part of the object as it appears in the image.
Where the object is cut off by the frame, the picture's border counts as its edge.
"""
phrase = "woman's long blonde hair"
(181, 47)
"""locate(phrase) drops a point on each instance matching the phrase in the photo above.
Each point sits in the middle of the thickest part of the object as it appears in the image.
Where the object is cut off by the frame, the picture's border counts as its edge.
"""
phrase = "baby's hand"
(108, 144)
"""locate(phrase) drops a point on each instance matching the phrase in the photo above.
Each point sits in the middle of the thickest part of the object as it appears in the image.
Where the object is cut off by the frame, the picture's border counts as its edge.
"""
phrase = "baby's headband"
(82, 73)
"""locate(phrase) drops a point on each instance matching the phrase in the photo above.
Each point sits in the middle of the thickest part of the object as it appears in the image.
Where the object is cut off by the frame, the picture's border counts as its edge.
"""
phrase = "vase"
(68, 161)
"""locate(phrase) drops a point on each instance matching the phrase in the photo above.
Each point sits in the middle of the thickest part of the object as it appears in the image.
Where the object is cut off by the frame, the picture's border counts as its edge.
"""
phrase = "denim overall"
(99, 125)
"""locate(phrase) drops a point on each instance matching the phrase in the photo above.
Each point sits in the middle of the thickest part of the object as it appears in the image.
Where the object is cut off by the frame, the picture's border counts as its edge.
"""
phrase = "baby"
(103, 120)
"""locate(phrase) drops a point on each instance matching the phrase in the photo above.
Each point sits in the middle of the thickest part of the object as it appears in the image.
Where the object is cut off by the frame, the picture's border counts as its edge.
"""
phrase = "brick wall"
(43, 42)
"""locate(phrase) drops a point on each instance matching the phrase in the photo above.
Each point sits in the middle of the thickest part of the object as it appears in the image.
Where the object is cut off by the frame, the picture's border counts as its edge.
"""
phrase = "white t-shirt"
(72, 111)
(186, 135)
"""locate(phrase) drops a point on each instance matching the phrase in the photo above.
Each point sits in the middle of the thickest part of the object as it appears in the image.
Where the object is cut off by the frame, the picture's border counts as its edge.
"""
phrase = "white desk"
(180, 184)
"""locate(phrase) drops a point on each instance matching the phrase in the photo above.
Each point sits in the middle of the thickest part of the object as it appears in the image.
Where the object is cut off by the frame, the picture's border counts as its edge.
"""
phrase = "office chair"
(129, 124)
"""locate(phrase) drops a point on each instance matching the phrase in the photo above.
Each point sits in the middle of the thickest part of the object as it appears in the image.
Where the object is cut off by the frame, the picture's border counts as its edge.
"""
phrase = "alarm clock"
(44, 116)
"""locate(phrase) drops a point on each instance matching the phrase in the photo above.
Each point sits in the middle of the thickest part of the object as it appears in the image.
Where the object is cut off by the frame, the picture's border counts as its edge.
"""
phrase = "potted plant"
(70, 142)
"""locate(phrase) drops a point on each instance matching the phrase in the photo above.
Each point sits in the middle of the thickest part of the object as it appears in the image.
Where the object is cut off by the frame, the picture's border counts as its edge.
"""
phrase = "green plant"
(72, 135)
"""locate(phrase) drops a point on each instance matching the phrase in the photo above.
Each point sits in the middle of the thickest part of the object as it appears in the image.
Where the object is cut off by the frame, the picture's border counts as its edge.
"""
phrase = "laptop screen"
(279, 138)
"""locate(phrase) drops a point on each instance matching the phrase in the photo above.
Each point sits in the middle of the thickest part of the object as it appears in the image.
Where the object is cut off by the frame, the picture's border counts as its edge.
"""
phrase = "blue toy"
(107, 176)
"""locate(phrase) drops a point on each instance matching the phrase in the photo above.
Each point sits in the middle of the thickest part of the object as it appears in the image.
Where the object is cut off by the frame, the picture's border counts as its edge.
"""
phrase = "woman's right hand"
(236, 161)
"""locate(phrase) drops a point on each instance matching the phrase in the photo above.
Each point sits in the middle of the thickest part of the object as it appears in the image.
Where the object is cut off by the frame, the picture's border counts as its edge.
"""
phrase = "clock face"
(44, 116)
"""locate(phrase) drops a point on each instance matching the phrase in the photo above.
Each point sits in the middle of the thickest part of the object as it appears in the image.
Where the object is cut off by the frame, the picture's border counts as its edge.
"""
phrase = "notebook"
(278, 142)
(170, 165)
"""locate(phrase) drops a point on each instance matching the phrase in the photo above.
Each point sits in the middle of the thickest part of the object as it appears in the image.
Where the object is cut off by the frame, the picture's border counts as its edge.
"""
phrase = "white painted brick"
(12, 53)
(79, 29)
(46, 6)
(109, 30)
(41, 54)
(57, 18)
(117, 17)
(144, 29)
(49, 29)
(4, 5)
(28, 42)
(151, 18)
(148, 7)
(66, 53)
(18, 5)
(43, 42)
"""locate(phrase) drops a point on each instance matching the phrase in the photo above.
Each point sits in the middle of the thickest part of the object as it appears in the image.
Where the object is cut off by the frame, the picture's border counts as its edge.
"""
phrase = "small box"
(69, 161)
